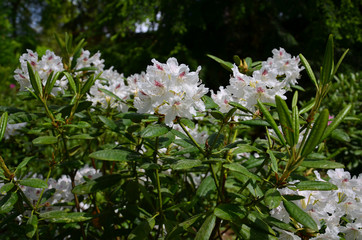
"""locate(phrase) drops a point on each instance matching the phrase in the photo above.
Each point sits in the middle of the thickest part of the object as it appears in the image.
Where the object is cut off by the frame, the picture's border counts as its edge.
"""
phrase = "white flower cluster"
(63, 189)
(114, 82)
(339, 211)
(85, 60)
(274, 77)
(170, 89)
(49, 63)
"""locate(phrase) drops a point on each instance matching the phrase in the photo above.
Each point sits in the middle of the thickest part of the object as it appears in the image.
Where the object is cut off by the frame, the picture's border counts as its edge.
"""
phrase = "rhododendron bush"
(157, 155)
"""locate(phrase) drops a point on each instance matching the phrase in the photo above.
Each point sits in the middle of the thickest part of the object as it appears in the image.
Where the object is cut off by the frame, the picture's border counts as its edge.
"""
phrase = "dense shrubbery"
(97, 155)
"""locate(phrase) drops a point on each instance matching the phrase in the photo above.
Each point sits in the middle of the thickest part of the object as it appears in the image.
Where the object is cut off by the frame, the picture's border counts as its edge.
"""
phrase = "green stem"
(42, 191)
(191, 138)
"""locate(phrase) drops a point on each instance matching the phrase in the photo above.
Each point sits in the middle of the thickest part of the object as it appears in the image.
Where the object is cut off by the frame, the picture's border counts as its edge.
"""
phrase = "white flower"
(169, 89)
(12, 129)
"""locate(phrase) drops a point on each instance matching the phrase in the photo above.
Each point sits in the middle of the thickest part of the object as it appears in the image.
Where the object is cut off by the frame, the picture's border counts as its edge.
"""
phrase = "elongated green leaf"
(308, 69)
(340, 135)
(307, 108)
(205, 231)
(227, 65)
(184, 164)
(274, 164)
(271, 121)
(7, 203)
(295, 124)
(256, 122)
(6, 187)
(51, 81)
(31, 226)
(315, 186)
(241, 169)
(115, 155)
(89, 83)
(299, 215)
(217, 115)
(154, 131)
(285, 120)
(3, 123)
(323, 164)
(240, 107)
(45, 140)
(340, 61)
(34, 80)
(295, 99)
(315, 136)
(328, 62)
(23, 163)
(182, 226)
(109, 93)
(336, 121)
(108, 122)
(277, 223)
(65, 217)
(230, 212)
(71, 81)
(142, 230)
(206, 187)
(34, 183)
(209, 103)
(272, 198)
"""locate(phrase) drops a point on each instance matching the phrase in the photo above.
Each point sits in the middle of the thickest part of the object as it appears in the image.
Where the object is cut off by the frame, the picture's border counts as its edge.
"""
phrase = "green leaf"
(34, 183)
(336, 121)
(51, 81)
(7, 202)
(240, 107)
(154, 131)
(207, 186)
(274, 164)
(108, 122)
(256, 122)
(323, 164)
(328, 62)
(6, 187)
(142, 230)
(109, 93)
(23, 163)
(31, 226)
(299, 215)
(65, 217)
(188, 123)
(295, 124)
(237, 167)
(340, 61)
(209, 103)
(307, 108)
(230, 212)
(45, 140)
(271, 121)
(227, 65)
(285, 120)
(89, 83)
(277, 223)
(3, 123)
(308, 69)
(71, 81)
(340, 135)
(315, 136)
(272, 198)
(217, 115)
(205, 231)
(115, 155)
(295, 99)
(174, 234)
(184, 164)
(35, 80)
(315, 186)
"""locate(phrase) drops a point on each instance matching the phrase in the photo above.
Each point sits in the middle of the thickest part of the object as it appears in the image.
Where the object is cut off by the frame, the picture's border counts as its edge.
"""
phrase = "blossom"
(12, 129)
(49, 63)
(171, 90)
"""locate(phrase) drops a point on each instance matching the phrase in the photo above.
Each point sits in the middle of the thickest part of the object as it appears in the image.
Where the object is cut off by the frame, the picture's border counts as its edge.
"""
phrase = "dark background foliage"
(187, 30)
